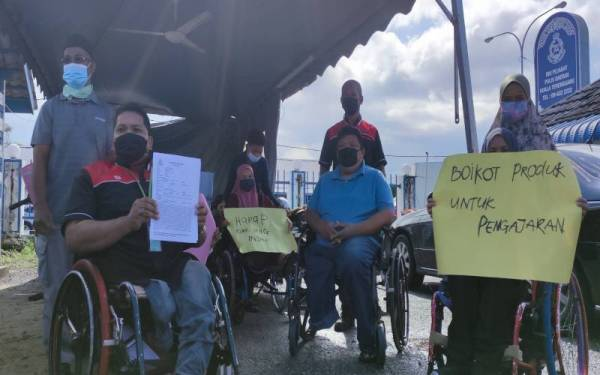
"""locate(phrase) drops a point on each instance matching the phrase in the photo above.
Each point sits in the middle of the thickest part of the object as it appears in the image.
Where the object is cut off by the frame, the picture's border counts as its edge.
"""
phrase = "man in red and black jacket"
(351, 101)
(107, 221)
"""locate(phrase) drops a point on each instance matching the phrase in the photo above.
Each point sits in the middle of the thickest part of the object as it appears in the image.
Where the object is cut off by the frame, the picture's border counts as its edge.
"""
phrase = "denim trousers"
(192, 307)
(352, 263)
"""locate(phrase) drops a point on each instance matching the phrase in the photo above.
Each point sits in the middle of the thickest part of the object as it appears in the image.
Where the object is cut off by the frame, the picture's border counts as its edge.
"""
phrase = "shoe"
(343, 325)
(310, 334)
(367, 357)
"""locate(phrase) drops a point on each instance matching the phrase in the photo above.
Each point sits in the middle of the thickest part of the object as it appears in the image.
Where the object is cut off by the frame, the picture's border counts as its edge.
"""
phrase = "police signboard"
(562, 58)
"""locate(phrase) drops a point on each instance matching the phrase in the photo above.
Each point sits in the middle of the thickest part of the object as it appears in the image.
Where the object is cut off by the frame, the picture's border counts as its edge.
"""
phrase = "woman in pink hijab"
(244, 193)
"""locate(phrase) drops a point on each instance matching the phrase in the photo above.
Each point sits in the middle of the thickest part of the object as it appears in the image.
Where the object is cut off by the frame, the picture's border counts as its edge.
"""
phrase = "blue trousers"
(352, 263)
(55, 261)
(192, 306)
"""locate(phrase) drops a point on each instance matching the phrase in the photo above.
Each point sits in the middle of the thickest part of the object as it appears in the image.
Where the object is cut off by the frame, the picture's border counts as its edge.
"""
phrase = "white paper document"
(175, 184)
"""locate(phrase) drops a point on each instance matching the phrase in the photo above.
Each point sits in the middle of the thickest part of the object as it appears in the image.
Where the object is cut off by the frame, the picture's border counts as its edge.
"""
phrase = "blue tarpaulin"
(581, 130)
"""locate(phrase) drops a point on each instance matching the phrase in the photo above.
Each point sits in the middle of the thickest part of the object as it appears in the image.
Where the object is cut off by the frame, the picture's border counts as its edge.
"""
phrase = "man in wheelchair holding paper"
(349, 207)
(107, 222)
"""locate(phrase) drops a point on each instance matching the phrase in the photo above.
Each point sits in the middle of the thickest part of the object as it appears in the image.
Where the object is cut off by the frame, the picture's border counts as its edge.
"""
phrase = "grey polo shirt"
(79, 132)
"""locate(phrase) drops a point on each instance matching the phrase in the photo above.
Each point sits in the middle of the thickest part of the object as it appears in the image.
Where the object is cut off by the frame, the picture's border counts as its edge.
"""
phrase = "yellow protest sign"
(509, 215)
(260, 229)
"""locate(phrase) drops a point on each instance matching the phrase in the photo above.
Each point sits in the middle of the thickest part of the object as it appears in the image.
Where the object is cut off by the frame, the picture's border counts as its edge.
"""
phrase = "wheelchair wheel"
(278, 290)
(437, 341)
(571, 341)
(225, 271)
(73, 333)
(381, 343)
(224, 360)
(293, 335)
(398, 296)
(297, 310)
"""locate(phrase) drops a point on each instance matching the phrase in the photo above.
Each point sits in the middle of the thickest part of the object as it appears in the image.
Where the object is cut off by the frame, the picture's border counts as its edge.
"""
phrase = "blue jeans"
(192, 306)
(351, 262)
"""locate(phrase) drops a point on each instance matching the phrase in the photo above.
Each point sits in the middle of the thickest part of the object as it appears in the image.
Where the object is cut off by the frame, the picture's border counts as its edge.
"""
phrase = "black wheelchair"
(242, 282)
(99, 329)
(550, 331)
(389, 274)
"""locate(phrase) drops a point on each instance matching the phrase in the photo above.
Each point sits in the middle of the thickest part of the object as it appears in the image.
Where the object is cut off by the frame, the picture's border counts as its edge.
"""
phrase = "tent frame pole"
(456, 17)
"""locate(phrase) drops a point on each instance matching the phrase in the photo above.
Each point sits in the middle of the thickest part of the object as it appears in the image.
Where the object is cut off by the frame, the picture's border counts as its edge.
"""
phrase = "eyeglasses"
(77, 59)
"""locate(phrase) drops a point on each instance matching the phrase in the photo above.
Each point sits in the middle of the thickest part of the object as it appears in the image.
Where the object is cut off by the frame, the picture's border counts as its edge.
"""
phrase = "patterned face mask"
(514, 111)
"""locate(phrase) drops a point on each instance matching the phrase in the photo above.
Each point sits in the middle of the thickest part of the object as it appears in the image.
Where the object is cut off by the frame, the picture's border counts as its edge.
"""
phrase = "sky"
(406, 74)
(407, 77)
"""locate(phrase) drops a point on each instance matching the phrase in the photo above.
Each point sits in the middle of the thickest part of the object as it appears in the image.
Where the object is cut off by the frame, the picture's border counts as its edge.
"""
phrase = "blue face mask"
(75, 75)
(253, 158)
(514, 111)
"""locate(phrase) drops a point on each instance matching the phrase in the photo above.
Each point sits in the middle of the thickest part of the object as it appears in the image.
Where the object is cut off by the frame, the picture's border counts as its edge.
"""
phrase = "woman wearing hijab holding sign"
(519, 114)
(245, 195)
(483, 308)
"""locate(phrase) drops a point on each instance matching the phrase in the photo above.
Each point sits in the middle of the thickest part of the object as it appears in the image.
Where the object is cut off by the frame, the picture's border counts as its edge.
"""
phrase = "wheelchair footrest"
(437, 338)
(130, 347)
(513, 352)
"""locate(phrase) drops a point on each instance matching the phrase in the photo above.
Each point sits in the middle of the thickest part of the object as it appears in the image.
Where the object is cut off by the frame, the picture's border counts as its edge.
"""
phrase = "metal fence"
(297, 186)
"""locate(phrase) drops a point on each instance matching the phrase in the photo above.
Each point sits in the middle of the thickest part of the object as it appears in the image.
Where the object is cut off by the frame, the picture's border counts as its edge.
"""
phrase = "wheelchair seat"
(98, 326)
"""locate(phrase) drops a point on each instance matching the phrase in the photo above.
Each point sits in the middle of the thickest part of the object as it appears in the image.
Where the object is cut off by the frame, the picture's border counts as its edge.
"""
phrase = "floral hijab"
(530, 132)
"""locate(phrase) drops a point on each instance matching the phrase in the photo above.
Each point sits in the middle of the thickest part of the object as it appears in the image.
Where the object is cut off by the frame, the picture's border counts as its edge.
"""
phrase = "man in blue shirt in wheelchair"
(107, 222)
(349, 207)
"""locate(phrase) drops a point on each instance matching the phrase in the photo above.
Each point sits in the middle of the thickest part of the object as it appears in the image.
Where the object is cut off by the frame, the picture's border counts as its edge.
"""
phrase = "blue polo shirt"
(353, 199)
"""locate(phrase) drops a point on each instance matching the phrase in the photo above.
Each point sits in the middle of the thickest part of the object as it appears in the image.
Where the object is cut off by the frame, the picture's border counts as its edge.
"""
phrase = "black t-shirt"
(374, 156)
(106, 191)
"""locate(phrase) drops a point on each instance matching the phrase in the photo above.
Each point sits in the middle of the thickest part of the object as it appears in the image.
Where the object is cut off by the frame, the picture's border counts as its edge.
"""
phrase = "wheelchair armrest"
(139, 291)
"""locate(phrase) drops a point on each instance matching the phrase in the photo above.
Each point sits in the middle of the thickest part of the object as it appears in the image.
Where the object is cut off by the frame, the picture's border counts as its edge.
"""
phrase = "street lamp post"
(521, 42)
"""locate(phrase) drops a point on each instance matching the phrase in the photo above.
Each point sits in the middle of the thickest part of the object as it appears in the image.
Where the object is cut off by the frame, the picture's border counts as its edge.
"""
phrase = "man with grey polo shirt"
(73, 129)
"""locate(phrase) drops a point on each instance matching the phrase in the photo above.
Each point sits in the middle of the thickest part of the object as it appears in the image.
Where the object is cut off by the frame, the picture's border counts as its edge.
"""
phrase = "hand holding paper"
(175, 186)
(260, 229)
(510, 215)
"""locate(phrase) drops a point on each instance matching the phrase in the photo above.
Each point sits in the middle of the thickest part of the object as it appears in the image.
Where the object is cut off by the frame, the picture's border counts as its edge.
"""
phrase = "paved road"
(262, 339)
(263, 346)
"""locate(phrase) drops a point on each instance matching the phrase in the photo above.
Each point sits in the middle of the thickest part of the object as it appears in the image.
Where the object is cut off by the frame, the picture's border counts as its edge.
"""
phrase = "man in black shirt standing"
(351, 101)
(107, 221)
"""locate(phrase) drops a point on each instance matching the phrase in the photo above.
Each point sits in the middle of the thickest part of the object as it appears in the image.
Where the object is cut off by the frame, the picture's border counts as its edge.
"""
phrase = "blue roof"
(581, 130)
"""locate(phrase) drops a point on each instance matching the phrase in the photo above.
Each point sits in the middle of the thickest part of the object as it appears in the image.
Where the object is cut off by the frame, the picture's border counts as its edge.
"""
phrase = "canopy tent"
(224, 65)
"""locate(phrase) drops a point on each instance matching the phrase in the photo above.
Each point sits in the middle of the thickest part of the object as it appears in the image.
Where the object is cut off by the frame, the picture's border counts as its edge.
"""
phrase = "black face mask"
(347, 157)
(247, 184)
(350, 105)
(130, 148)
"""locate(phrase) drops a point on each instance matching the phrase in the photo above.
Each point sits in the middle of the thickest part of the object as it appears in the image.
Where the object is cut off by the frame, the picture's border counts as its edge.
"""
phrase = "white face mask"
(253, 158)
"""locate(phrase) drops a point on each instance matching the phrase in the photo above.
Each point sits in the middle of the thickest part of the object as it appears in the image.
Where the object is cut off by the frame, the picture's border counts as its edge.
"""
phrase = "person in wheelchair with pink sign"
(107, 223)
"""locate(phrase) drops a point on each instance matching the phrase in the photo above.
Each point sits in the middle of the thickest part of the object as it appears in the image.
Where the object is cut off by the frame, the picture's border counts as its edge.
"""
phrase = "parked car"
(414, 231)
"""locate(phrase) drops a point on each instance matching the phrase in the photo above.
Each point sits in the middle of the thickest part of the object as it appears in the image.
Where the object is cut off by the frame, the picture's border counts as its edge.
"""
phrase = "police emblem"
(556, 50)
